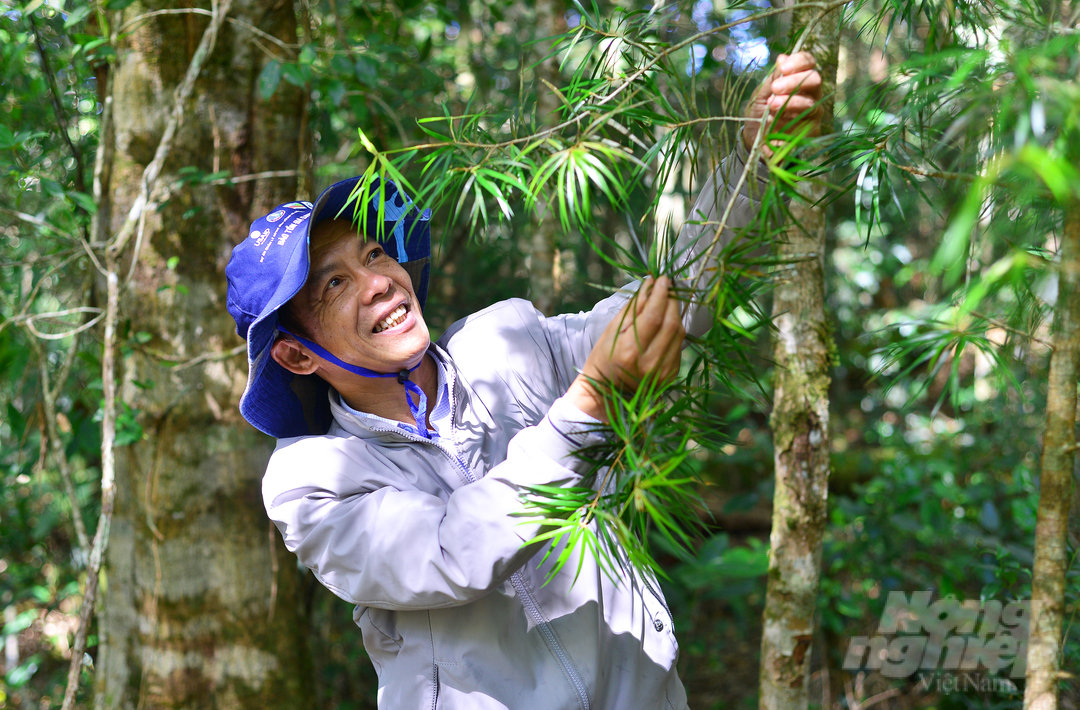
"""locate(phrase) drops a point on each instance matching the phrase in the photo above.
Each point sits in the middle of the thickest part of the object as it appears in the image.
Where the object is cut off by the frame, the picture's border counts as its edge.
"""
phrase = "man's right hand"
(790, 96)
(643, 341)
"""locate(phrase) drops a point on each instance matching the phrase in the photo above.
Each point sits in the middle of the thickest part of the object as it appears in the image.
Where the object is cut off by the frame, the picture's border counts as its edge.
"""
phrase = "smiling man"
(401, 463)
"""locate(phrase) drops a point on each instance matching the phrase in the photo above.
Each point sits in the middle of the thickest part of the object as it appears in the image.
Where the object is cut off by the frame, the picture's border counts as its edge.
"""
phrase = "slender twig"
(102, 172)
(1009, 329)
(709, 119)
(751, 164)
(389, 112)
(305, 163)
(227, 181)
(139, 231)
(49, 395)
(941, 175)
(28, 301)
(61, 459)
(209, 357)
(808, 30)
(29, 322)
(58, 109)
(339, 26)
(161, 195)
(31, 318)
(255, 176)
(69, 358)
(36, 221)
(108, 484)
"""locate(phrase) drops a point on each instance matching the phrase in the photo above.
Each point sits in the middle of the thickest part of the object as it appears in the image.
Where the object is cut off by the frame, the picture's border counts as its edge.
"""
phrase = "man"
(398, 475)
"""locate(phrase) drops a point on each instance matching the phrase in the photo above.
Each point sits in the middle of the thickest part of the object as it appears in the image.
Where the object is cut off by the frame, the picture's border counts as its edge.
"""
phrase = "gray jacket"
(425, 536)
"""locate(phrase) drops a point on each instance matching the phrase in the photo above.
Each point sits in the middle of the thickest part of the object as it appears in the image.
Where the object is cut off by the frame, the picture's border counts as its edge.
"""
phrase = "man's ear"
(293, 357)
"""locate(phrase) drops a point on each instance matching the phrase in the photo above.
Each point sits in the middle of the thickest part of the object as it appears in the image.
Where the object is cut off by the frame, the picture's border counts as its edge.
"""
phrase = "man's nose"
(372, 283)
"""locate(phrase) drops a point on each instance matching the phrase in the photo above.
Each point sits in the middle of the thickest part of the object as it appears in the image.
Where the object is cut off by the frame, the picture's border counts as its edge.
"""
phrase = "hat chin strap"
(419, 410)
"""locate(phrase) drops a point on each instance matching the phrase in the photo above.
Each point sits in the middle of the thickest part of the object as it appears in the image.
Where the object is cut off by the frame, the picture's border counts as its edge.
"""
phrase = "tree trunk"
(1056, 481)
(543, 244)
(200, 608)
(800, 422)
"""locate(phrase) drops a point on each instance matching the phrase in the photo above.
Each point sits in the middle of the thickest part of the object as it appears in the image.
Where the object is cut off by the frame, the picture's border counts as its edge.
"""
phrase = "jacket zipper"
(517, 578)
(533, 610)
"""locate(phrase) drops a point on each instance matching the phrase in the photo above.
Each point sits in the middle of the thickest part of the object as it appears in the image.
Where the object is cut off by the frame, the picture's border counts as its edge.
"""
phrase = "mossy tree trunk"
(800, 421)
(200, 608)
(1041, 691)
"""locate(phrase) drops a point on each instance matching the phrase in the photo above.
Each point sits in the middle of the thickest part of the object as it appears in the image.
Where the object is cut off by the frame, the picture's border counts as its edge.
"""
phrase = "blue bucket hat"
(270, 267)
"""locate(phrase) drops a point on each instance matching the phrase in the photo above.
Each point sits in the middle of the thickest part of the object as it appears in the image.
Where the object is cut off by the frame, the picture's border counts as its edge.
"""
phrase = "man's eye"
(335, 281)
(375, 254)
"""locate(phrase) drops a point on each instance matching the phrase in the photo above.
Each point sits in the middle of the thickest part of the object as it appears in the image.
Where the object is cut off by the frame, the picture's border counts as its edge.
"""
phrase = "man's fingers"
(669, 366)
(788, 94)
(624, 321)
(804, 83)
(641, 299)
(649, 307)
(636, 348)
(800, 61)
(670, 358)
(781, 62)
(793, 107)
(670, 332)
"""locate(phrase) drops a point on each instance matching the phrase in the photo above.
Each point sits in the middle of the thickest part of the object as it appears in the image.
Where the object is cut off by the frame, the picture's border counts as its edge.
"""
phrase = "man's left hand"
(790, 96)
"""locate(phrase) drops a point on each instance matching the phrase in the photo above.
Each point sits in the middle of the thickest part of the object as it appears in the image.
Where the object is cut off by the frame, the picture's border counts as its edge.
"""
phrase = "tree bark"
(1041, 691)
(802, 350)
(201, 608)
(543, 244)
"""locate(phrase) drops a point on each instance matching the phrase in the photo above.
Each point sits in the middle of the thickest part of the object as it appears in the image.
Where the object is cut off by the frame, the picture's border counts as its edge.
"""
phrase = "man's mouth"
(396, 317)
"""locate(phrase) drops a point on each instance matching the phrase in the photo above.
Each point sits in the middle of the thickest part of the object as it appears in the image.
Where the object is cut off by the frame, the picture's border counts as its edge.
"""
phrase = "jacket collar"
(366, 426)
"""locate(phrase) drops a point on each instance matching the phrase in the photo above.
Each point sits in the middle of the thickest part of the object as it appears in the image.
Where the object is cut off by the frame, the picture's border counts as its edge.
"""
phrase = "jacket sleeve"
(375, 538)
(698, 244)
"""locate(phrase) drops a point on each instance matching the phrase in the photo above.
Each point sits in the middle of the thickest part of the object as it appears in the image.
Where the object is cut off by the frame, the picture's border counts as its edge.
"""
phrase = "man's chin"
(418, 357)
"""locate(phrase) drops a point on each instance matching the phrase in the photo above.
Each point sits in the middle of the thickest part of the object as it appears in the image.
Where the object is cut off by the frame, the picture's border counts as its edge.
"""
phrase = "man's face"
(359, 304)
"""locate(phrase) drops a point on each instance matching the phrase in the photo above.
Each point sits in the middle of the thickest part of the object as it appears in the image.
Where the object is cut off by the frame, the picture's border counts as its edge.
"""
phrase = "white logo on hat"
(275, 216)
(260, 237)
(254, 234)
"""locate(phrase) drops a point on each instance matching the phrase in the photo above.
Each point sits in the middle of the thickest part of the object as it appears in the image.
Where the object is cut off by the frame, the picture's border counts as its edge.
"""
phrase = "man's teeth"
(391, 320)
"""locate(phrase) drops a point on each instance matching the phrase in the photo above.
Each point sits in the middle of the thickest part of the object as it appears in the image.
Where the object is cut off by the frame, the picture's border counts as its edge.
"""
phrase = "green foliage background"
(954, 152)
